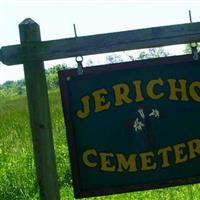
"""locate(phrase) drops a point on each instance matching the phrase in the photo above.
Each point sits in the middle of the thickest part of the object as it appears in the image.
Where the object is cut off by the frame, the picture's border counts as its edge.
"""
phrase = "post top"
(28, 21)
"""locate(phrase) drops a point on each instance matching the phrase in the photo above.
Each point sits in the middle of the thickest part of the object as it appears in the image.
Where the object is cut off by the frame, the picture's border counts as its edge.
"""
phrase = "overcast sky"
(56, 19)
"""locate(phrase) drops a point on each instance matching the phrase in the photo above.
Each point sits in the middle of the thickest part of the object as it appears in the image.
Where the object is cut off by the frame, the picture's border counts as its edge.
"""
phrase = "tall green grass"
(17, 170)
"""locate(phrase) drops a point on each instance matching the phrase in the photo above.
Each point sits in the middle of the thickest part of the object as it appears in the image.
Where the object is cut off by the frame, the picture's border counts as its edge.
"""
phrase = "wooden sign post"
(39, 115)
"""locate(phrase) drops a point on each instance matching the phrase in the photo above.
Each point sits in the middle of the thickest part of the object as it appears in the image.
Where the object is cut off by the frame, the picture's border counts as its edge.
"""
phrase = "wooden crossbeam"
(101, 43)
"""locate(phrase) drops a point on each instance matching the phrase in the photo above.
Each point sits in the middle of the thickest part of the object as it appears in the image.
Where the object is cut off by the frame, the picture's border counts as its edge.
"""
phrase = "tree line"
(16, 88)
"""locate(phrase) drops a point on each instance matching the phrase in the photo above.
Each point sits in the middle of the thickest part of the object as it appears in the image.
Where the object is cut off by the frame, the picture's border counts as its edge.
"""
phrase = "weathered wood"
(102, 43)
(39, 115)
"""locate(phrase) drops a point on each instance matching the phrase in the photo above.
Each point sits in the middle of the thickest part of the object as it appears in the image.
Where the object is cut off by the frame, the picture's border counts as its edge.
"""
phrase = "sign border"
(64, 89)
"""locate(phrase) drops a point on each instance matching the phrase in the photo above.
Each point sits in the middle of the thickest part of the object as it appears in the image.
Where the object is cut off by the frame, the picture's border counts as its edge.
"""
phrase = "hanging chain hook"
(193, 45)
(75, 33)
(79, 59)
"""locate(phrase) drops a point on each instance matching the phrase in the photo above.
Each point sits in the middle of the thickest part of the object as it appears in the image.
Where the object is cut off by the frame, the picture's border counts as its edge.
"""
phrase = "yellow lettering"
(194, 148)
(100, 101)
(123, 163)
(179, 154)
(86, 154)
(164, 153)
(86, 108)
(150, 89)
(105, 162)
(174, 90)
(138, 91)
(193, 92)
(121, 94)
(146, 159)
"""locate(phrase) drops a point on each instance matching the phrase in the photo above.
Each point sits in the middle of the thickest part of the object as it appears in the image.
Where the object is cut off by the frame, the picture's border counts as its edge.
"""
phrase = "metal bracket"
(79, 59)
(194, 45)
(195, 54)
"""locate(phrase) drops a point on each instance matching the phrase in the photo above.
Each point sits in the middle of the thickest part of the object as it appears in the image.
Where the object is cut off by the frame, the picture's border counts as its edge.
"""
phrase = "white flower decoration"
(141, 112)
(155, 113)
(138, 125)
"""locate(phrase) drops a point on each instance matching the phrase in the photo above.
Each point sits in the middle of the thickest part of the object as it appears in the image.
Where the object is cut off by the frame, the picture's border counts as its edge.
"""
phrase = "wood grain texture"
(39, 116)
(102, 43)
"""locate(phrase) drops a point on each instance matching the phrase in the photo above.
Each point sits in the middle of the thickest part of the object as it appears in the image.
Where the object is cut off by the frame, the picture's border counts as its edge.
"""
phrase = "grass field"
(17, 171)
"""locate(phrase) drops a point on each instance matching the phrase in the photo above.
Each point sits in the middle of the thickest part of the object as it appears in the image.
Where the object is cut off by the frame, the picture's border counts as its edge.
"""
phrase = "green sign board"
(133, 126)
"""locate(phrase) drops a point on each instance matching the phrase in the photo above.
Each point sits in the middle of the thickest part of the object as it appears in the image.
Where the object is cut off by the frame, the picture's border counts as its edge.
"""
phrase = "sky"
(56, 19)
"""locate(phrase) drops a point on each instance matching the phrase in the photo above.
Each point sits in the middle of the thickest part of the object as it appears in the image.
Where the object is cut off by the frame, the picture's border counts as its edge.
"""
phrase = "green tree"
(52, 75)
(9, 84)
(20, 87)
(14, 88)
(9, 88)
(114, 58)
(145, 54)
(189, 50)
(152, 53)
